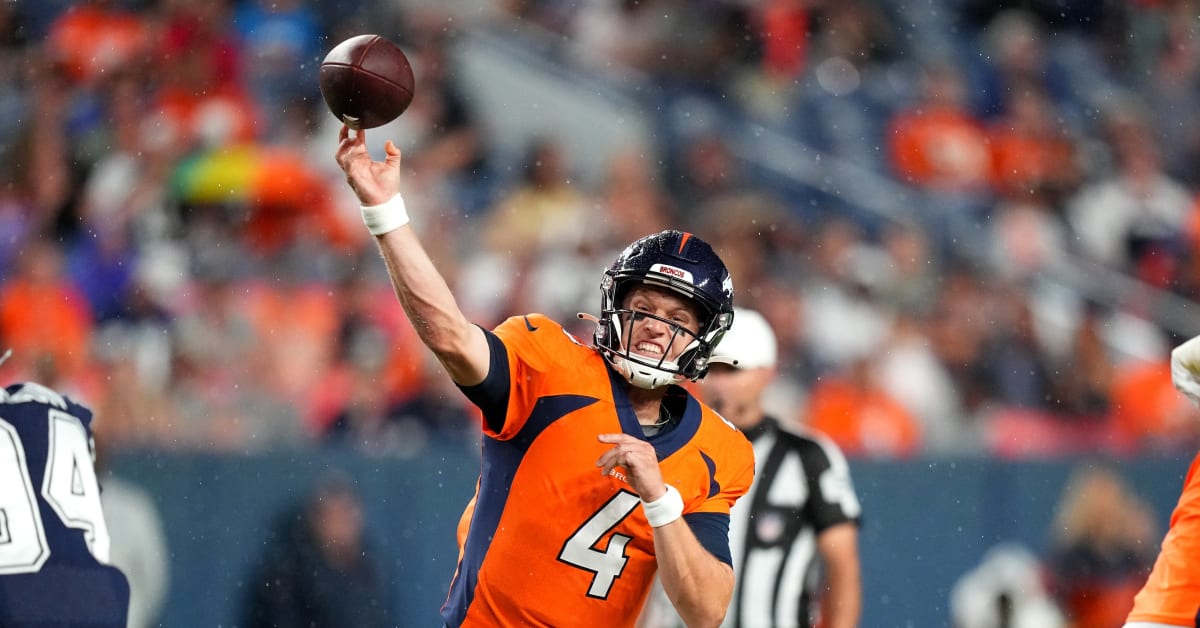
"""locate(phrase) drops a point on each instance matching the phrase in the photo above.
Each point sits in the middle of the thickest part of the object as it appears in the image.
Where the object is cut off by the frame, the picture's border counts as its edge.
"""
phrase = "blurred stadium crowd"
(178, 248)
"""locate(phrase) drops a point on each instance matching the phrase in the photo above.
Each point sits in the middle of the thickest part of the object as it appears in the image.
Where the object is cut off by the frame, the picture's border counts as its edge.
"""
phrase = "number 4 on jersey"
(581, 549)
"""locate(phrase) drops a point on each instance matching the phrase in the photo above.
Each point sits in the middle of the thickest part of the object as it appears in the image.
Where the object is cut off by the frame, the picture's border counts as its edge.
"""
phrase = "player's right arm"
(459, 345)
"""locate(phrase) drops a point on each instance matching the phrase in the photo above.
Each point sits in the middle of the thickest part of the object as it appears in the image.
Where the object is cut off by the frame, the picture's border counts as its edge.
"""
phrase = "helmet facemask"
(683, 265)
(616, 324)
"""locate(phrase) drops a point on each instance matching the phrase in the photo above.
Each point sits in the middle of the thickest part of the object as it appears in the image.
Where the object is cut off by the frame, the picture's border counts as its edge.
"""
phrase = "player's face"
(651, 337)
(736, 394)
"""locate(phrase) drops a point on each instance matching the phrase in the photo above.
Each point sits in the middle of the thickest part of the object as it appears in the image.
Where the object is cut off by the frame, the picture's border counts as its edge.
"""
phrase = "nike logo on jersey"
(529, 325)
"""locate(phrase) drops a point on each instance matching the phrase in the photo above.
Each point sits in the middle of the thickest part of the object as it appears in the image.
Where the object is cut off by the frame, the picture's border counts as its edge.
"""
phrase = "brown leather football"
(367, 81)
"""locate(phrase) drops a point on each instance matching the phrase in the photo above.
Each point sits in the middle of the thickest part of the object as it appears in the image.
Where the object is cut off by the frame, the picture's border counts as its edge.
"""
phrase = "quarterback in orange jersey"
(599, 469)
(1171, 595)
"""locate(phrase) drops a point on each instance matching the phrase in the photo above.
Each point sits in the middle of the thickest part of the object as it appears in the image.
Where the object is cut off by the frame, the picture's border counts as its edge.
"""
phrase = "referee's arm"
(842, 600)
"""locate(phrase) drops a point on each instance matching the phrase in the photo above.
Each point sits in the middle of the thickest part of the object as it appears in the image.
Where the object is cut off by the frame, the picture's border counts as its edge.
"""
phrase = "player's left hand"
(639, 461)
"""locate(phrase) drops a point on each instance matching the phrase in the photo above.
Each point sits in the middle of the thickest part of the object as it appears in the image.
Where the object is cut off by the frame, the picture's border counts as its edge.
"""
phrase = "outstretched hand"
(639, 461)
(374, 182)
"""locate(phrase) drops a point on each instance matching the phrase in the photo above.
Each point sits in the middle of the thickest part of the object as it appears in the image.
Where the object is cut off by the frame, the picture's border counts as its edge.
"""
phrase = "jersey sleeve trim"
(491, 395)
(712, 530)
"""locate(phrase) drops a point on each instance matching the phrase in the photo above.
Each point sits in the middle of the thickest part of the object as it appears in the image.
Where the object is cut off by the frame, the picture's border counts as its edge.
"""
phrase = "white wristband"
(386, 216)
(665, 509)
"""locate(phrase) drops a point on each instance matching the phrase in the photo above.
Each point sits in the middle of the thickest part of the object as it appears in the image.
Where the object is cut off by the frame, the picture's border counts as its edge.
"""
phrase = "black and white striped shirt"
(801, 487)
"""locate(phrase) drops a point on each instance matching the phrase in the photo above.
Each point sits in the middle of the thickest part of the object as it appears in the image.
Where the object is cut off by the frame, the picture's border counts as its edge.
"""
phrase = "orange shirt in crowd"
(942, 148)
(46, 319)
(88, 41)
(1021, 162)
(864, 422)
(1147, 408)
(288, 198)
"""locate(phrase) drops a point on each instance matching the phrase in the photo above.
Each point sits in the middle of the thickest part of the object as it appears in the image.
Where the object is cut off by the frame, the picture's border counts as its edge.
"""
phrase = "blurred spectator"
(1147, 410)
(1027, 235)
(909, 371)
(199, 100)
(1083, 375)
(279, 40)
(440, 130)
(912, 268)
(616, 36)
(125, 190)
(843, 319)
(532, 226)
(852, 407)
(1101, 549)
(93, 38)
(43, 315)
(778, 300)
(317, 569)
(750, 230)
(542, 210)
(703, 168)
(374, 342)
(40, 178)
(958, 327)
(204, 33)
(1005, 590)
(232, 392)
(373, 423)
(135, 357)
(102, 263)
(1017, 366)
(938, 143)
(848, 92)
(634, 200)
(1021, 59)
(290, 208)
(1031, 152)
(1130, 218)
(784, 28)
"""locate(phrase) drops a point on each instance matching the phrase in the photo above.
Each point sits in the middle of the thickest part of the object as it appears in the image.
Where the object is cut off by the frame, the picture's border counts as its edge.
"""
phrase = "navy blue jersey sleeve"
(712, 530)
(491, 395)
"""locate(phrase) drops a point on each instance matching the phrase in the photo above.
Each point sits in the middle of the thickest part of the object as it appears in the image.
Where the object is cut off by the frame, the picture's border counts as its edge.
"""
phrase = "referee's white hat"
(749, 343)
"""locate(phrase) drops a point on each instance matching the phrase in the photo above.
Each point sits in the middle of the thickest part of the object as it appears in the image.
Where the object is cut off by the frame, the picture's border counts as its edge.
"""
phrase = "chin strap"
(7, 355)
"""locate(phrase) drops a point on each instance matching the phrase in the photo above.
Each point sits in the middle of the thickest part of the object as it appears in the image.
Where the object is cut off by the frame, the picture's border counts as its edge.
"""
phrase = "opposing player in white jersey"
(794, 535)
(54, 543)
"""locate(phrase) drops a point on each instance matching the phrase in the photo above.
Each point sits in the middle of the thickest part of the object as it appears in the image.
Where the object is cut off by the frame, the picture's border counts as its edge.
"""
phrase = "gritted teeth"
(649, 347)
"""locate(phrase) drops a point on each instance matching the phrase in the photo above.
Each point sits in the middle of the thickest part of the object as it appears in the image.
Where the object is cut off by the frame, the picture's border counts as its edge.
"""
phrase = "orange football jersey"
(548, 540)
(1171, 594)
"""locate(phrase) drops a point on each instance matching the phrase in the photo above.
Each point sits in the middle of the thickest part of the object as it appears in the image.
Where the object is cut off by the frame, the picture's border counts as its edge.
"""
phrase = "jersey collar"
(667, 441)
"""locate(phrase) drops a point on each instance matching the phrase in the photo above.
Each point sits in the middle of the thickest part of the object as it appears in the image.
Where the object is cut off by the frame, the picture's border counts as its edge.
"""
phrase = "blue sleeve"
(491, 395)
(712, 530)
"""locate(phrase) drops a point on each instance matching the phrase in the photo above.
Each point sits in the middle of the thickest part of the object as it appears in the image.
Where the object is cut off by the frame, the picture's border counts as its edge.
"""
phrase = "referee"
(794, 535)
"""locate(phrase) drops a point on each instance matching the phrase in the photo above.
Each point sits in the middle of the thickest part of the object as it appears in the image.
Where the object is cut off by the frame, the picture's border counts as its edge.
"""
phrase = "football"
(367, 81)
